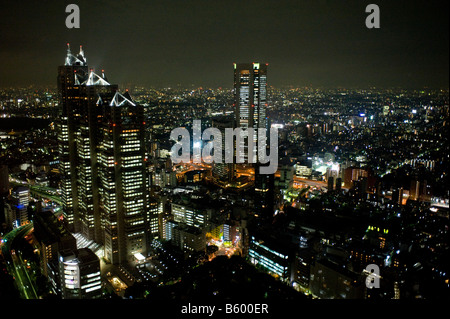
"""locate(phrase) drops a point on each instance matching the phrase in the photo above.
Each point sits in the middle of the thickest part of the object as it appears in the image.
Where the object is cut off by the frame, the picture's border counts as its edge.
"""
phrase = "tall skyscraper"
(122, 176)
(250, 101)
(102, 160)
(70, 98)
(79, 124)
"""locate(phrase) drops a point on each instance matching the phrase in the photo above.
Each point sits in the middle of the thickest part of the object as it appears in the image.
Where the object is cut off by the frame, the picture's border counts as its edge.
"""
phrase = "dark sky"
(192, 42)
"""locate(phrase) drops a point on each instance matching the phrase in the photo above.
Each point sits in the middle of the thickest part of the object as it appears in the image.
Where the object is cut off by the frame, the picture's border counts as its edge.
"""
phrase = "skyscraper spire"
(68, 55)
(82, 53)
(75, 60)
(81, 56)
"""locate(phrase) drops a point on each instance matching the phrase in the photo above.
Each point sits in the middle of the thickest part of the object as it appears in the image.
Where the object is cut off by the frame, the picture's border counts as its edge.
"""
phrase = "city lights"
(203, 186)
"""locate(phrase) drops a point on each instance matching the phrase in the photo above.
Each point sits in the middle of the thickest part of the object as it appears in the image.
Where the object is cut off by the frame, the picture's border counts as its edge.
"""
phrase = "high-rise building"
(250, 101)
(71, 99)
(102, 160)
(20, 196)
(122, 175)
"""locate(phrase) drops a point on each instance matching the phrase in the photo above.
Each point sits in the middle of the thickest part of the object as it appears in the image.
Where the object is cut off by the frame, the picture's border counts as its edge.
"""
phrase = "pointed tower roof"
(81, 56)
(119, 100)
(95, 79)
(74, 60)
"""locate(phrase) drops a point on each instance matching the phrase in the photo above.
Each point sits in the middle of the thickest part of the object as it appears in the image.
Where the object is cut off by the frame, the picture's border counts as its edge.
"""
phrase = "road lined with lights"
(42, 191)
(15, 265)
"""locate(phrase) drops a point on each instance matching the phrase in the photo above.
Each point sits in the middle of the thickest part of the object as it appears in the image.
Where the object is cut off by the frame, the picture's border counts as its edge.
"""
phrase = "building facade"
(102, 138)
(79, 274)
(250, 102)
(271, 257)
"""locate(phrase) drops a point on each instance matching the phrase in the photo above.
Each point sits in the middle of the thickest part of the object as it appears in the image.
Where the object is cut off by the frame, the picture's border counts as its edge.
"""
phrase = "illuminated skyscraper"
(71, 99)
(250, 100)
(79, 89)
(122, 175)
(102, 160)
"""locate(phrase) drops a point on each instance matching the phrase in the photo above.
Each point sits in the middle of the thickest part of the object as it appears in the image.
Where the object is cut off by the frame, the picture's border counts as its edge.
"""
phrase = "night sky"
(191, 42)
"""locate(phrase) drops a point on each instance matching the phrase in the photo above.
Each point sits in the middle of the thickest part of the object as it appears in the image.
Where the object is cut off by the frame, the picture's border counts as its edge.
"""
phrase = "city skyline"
(361, 184)
(228, 157)
(323, 44)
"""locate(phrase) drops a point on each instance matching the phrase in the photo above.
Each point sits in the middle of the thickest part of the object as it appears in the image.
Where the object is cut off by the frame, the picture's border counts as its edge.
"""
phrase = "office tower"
(102, 160)
(79, 274)
(20, 196)
(122, 175)
(71, 98)
(250, 101)
(87, 148)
